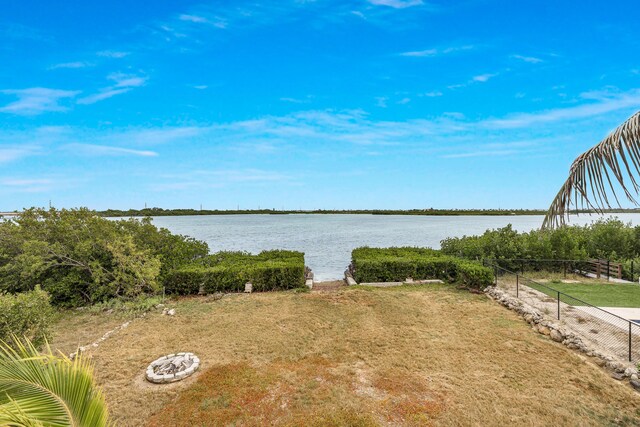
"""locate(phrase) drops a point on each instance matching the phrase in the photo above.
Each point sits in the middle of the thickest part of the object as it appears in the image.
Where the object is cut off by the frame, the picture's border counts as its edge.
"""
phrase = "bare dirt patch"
(396, 356)
(331, 286)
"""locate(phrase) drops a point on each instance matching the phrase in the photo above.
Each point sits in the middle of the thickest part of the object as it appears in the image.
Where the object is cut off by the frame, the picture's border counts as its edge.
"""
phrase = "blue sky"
(307, 104)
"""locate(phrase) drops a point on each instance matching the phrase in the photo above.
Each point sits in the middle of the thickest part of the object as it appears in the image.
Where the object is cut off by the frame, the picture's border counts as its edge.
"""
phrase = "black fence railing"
(604, 269)
(600, 327)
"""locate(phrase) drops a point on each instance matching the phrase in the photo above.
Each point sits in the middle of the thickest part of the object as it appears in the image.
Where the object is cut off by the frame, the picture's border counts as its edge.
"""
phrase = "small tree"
(80, 257)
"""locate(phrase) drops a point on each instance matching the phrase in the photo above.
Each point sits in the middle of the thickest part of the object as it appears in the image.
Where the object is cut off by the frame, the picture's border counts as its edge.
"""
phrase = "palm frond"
(40, 389)
(592, 176)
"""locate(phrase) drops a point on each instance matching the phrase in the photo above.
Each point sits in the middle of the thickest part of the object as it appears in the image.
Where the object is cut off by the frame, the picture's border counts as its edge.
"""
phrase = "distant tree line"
(427, 212)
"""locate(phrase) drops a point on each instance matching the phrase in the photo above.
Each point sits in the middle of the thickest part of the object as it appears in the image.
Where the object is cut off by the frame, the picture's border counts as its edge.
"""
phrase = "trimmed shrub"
(229, 271)
(397, 264)
(474, 275)
(27, 314)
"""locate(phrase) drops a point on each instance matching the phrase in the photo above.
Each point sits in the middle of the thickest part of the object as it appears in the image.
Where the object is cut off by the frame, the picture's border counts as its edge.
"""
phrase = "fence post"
(495, 272)
(608, 271)
(564, 264)
(629, 341)
(517, 286)
(558, 305)
(632, 279)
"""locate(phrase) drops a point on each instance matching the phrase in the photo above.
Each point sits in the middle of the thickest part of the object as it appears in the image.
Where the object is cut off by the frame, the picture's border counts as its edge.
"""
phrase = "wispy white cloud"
(123, 83)
(483, 77)
(192, 18)
(113, 54)
(189, 180)
(432, 94)
(304, 100)
(200, 87)
(27, 185)
(92, 99)
(496, 149)
(214, 20)
(13, 153)
(153, 136)
(106, 150)
(127, 80)
(381, 101)
(244, 175)
(481, 153)
(529, 59)
(604, 103)
(36, 100)
(396, 4)
(24, 182)
(72, 65)
(436, 52)
(404, 101)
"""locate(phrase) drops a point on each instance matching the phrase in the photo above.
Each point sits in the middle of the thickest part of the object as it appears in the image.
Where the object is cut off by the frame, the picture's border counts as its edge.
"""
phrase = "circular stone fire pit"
(171, 368)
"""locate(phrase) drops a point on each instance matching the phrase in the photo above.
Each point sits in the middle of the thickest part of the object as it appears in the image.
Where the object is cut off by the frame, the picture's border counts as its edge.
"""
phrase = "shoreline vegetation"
(424, 212)
(155, 212)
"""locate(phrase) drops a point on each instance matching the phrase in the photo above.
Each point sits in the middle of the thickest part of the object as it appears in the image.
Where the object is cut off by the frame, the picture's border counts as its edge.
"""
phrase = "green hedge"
(26, 314)
(397, 264)
(229, 271)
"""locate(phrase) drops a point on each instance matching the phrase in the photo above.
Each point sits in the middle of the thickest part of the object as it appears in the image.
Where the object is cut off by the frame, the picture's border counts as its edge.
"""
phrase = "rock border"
(561, 334)
(348, 278)
(151, 376)
(95, 344)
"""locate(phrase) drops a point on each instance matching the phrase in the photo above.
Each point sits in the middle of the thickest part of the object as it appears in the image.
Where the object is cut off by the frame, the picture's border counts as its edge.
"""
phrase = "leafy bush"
(605, 239)
(397, 264)
(26, 314)
(229, 271)
(80, 258)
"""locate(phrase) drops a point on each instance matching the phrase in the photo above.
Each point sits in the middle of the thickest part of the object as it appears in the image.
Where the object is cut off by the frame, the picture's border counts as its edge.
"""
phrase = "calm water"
(327, 240)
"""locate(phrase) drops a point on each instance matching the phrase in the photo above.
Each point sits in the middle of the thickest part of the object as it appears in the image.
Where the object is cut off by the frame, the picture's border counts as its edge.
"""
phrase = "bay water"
(327, 240)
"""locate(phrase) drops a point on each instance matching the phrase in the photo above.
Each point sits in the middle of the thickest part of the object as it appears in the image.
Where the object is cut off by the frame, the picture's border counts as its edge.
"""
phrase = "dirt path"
(328, 286)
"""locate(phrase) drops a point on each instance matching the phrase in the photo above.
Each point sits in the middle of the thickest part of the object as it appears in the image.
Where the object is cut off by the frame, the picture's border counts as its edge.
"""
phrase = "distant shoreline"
(418, 212)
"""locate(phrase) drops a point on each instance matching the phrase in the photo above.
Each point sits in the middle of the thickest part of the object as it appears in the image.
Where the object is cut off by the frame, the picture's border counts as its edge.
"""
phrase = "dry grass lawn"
(354, 357)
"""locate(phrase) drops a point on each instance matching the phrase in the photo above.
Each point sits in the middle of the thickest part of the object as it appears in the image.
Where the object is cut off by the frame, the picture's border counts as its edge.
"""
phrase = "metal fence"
(601, 328)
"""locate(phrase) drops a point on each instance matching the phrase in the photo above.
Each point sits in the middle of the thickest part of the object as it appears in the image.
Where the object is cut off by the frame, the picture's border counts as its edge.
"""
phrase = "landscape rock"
(544, 330)
(617, 367)
(169, 312)
(630, 371)
(556, 335)
(617, 376)
(635, 384)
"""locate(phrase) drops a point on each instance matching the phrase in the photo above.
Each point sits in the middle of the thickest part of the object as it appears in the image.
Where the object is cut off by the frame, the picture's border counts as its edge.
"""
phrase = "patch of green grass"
(599, 294)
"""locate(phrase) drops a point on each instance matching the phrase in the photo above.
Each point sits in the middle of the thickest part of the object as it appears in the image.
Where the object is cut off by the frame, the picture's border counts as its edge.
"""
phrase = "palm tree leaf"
(45, 390)
(594, 173)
